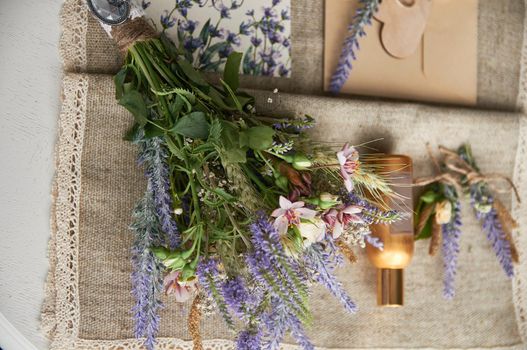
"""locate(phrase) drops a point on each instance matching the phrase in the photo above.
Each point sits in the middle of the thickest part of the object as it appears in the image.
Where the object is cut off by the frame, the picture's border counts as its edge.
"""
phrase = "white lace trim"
(61, 309)
(72, 45)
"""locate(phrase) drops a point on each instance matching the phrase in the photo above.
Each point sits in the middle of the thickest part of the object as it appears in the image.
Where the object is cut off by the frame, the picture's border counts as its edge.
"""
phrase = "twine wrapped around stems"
(456, 168)
(126, 34)
(459, 167)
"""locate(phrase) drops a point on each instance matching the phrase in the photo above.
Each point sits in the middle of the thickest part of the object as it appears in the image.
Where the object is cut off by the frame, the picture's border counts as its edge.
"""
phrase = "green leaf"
(232, 151)
(132, 133)
(174, 149)
(226, 196)
(170, 48)
(258, 138)
(429, 197)
(193, 125)
(426, 232)
(205, 31)
(191, 73)
(152, 131)
(176, 106)
(133, 101)
(231, 71)
(217, 98)
(119, 79)
(232, 99)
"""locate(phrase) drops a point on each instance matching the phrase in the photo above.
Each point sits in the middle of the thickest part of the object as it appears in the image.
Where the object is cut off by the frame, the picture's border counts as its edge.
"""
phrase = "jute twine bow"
(126, 34)
(460, 168)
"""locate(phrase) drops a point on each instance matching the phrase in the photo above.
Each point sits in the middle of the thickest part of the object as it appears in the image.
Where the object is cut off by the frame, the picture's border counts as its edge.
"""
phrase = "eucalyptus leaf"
(258, 138)
(231, 71)
(193, 125)
(133, 101)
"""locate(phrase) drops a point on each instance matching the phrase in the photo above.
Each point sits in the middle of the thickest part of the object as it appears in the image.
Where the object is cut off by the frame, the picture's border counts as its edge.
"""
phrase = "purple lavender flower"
(166, 20)
(268, 261)
(362, 18)
(225, 12)
(236, 296)
(278, 321)
(249, 340)
(256, 41)
(250, 13)
(245, 28)
(321, 263)
(482, 202)
(215, 32)
(370, 213)
(210, 281)
(225, 51)
(189, 26)
(269, 12)
(374, 241)
(147, 272)
(283, 71)
(191, 44)
(153, 155)
(145, 4)
(233, 38)
(275, 37)
(276, 2)
(496, 236)
(285, 15)
(450, 249)
(286, 42)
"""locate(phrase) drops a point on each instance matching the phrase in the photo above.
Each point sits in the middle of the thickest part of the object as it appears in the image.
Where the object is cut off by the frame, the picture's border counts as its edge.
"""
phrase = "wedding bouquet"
(242, 212)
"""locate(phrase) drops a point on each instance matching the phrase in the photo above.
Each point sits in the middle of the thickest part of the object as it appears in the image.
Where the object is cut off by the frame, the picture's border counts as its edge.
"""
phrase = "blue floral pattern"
(209, 30)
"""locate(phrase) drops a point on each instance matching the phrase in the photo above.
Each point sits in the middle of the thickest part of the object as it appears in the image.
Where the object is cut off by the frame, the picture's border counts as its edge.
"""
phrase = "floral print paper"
(209, 30)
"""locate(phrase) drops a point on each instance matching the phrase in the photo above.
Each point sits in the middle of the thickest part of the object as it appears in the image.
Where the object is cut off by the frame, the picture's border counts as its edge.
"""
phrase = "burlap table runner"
(88, 291)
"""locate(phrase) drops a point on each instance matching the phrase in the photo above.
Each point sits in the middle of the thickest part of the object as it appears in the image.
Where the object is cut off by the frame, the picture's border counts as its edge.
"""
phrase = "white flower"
(289, 214)
(443, 212)
(312, 231)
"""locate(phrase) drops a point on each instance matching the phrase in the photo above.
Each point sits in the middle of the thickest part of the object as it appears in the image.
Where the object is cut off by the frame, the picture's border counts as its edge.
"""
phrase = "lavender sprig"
(320, 262)
(496, 236)
(278, 322)
(147, 275)
(362, 18)
(450, 249)
(372, 214)
(210, 280)
(249, 340)
(153, 156)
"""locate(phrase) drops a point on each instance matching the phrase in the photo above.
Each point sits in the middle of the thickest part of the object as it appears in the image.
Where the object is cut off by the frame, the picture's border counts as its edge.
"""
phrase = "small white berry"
(178, 211)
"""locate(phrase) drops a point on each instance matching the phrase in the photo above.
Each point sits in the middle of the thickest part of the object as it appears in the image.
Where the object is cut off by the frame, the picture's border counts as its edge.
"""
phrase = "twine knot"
(126, 34)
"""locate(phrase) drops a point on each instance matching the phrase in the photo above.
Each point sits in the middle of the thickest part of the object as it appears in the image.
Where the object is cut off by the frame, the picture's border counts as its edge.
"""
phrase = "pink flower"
(182, 290)
(289, 214)
(348, 159)
(338, 218)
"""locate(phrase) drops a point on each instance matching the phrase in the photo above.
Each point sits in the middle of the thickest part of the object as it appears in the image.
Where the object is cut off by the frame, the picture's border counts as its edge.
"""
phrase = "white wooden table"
(30, 75)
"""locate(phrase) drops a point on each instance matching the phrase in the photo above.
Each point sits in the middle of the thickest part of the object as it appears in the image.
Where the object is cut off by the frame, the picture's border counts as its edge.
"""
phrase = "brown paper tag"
(443, 68)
